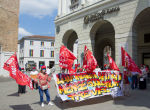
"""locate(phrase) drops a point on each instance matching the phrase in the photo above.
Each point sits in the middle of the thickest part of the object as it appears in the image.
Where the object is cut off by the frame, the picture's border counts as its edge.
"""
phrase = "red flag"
(85, 58)
(128, 62)
(66, 58)
(11, 65)
(71, 70)
(112, 63)
(89, 60)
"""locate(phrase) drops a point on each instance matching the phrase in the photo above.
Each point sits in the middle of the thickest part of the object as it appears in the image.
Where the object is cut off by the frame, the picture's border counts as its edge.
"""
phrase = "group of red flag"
(12, 66)
(67, 58)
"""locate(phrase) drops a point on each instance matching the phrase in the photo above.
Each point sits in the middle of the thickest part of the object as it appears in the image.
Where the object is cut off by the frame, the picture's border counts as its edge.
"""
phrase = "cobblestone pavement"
(9, 100)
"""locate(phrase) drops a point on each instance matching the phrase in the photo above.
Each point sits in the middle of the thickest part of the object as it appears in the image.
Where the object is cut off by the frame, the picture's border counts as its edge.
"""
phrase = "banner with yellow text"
(82, 86)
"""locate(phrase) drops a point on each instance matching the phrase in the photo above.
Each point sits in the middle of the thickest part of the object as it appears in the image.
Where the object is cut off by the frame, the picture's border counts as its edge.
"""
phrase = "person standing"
(43, 79)
(33, 75)
(21, 88)
(126, 83)
(143, 78)
(134, 79)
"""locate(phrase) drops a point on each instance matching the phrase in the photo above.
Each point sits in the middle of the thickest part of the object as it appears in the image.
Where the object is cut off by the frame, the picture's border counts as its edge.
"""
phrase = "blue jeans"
(134, 82)
(46, 93)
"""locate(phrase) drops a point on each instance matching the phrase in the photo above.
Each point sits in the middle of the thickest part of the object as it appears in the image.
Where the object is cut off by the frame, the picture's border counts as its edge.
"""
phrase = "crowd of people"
(131, 80)
(135, 80)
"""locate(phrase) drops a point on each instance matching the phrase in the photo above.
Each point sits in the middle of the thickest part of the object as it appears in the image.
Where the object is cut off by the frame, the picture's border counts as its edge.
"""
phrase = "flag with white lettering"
(128, 62)
(11, 65)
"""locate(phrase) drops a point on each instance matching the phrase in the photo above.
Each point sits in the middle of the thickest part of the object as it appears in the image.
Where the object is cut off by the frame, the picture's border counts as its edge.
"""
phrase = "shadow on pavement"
(71, 104)
(5, 79)
(138, 98)
(14, 94)
(21, 107)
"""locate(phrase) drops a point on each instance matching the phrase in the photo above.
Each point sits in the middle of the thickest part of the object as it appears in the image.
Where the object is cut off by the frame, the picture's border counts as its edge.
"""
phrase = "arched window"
(107, 49)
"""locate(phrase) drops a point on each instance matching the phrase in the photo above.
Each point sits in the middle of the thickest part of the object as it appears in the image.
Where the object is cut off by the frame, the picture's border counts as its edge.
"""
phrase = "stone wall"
(9, 18)
(122, 22)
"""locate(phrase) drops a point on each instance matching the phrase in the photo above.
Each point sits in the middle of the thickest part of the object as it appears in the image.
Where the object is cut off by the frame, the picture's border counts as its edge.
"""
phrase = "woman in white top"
(34, 72)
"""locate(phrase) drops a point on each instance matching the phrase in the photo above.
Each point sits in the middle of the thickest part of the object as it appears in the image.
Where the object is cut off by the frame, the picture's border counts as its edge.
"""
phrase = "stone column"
(82, 2)
(59, 7)
(127, 41)
(64, 7)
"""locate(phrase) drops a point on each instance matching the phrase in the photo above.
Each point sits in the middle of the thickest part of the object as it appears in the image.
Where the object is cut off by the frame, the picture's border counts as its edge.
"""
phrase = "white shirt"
(33, 72)
(52, 69)
(48, 71)
(134, 73)
(97, 70)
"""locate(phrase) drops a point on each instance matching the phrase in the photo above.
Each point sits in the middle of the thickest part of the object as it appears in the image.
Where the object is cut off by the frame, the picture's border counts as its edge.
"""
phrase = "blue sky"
(37, 17)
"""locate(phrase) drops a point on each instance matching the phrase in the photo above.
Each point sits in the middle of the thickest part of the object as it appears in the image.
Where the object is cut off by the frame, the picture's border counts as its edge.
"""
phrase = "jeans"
(46, 93)
(134, 82)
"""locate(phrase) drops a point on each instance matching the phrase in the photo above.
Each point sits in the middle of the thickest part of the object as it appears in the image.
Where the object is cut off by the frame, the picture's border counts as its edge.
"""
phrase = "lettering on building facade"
(100, 15)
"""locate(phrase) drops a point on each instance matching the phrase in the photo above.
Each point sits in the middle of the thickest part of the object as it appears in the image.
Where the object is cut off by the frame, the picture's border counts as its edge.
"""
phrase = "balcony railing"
(74, 5)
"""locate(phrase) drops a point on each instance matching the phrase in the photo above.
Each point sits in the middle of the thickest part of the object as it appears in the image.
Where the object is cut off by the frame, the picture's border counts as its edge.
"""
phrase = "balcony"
(74, 5)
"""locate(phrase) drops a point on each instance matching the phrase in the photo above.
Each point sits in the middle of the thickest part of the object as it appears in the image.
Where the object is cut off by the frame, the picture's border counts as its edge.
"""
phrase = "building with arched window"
(104, 26)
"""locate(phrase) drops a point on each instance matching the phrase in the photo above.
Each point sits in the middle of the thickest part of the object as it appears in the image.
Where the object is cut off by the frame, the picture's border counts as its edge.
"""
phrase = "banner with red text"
(82, 86)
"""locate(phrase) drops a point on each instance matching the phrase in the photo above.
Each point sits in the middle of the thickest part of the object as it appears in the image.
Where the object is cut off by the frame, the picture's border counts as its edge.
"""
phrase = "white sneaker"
(42, 104)
(50, 103)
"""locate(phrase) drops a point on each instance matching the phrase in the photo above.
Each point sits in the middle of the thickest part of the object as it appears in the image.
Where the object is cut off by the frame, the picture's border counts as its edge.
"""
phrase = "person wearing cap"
(43, 81)
(33, 75)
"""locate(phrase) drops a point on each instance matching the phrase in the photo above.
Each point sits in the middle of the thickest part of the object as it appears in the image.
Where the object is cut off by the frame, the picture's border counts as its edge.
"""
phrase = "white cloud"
(23, 32)
(38, 8)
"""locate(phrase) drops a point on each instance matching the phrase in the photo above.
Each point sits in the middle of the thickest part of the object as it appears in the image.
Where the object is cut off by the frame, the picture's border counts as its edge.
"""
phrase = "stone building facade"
(36, 49)
(9, 17)
(104, 26)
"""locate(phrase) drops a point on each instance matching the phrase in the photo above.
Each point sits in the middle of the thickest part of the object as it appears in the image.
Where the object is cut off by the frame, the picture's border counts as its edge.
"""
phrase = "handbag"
(44, 87)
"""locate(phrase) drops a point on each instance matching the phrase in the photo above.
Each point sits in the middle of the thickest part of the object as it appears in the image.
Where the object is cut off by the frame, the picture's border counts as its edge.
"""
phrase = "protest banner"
(82, 86)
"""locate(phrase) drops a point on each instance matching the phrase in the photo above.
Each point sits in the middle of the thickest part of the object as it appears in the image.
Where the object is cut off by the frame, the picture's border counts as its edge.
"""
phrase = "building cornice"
(85, 10)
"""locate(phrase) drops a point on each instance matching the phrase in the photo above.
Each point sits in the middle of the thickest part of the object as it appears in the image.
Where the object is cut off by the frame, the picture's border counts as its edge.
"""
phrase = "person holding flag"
(12, 66)
(21, 88)
(126, 82)
(131, 66)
